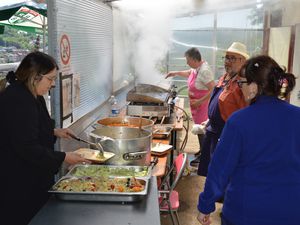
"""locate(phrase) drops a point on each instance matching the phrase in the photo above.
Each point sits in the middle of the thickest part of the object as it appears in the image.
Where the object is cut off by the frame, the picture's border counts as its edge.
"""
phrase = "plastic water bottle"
(114, 106)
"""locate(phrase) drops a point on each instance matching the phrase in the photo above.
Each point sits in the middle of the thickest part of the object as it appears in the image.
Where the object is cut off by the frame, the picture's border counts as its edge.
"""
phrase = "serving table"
(60, 212)
(159, 170)
(177, 120)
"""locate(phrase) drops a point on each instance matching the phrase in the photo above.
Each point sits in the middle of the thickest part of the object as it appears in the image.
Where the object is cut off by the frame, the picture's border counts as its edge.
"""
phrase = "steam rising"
(148, 32)
(148, 26)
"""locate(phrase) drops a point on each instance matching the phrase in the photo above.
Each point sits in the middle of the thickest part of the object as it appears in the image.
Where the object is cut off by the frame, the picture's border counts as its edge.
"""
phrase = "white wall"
(290, 12)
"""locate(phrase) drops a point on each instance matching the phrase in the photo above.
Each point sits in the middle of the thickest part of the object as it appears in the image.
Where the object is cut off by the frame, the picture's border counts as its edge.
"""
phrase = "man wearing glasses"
(226, 98)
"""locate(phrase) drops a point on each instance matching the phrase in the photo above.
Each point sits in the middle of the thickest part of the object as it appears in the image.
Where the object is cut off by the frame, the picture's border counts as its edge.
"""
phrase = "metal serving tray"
(148, 93)
(100, 196)
(110, 170)
(162, 131)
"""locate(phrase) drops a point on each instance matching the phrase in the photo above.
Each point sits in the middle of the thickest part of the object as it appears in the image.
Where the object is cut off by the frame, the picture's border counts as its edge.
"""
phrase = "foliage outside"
(19, 39)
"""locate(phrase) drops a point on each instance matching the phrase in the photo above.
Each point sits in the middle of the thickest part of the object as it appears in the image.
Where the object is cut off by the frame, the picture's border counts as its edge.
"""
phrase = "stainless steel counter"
(59, 212)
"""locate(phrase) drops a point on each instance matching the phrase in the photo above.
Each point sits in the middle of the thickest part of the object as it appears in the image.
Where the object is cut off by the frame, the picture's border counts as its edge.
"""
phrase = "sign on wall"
(66, 86)
(65, 54)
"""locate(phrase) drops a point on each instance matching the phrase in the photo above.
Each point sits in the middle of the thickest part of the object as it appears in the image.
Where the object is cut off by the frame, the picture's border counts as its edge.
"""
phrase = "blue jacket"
(257, 163)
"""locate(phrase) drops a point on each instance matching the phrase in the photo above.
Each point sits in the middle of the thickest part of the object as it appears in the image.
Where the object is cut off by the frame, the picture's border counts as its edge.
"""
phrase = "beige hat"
(238, 48)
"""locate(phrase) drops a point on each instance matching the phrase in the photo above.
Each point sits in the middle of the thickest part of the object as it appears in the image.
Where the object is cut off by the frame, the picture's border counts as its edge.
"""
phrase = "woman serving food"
(27, 138)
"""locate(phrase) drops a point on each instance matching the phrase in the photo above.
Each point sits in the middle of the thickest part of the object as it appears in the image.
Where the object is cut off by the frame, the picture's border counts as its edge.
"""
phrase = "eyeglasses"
(51, 79)
(231, 59)
(241, 82)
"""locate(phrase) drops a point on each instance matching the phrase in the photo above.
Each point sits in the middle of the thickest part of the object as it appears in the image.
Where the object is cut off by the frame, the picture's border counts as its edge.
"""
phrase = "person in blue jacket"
(257, 159)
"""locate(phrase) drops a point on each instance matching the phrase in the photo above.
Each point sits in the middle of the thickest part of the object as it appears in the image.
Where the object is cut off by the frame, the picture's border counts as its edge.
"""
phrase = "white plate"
(160, 148)
(93, 155)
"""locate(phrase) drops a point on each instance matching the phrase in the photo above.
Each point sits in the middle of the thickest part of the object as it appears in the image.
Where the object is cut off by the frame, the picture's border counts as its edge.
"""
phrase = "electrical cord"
(186, 128)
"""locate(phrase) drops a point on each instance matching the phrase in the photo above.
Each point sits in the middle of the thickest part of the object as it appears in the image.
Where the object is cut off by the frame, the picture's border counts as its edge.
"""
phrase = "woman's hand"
(185, 73)
(63, 132)
(170, 74)
(75, 158)
(204, 218)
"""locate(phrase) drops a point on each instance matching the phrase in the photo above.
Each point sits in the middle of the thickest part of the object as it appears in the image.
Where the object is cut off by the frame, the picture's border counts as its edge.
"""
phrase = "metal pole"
(44, 34)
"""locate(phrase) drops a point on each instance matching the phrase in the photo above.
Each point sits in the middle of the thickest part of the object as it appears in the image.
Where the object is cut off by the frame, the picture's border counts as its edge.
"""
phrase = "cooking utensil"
(126, 142)
(155, 131)
(162, 131)
(97, 144)
(154, 162)
(162, 120)
(140, 125)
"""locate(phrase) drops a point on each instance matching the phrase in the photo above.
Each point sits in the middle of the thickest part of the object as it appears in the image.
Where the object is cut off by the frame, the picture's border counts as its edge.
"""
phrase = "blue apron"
(213, 131)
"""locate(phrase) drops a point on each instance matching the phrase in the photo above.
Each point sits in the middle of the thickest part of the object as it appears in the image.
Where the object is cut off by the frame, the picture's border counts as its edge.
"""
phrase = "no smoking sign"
(65, 49)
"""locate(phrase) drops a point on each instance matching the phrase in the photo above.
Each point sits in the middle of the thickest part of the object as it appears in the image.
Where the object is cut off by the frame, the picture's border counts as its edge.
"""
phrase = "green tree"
(19, 39)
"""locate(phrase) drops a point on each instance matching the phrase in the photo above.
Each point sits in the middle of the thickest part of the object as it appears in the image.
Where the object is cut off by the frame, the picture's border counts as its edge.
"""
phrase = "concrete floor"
(189, 188)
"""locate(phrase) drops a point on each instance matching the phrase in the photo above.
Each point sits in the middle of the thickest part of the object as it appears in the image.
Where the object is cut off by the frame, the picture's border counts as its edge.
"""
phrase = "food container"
(162, 131)
(100, 189)
(131, 146)
(126, 121)
(110, 171)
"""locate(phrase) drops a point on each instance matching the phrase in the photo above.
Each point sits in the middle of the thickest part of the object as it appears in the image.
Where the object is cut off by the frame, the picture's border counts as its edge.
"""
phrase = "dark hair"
(32, 66)
(270, 78)
(193, 53)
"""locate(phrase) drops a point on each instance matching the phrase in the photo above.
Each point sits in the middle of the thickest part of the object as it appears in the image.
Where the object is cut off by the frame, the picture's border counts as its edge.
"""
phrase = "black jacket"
(29, 162)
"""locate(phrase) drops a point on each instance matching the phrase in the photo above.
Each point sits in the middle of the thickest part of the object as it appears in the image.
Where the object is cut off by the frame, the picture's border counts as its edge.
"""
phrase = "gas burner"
(150, 101)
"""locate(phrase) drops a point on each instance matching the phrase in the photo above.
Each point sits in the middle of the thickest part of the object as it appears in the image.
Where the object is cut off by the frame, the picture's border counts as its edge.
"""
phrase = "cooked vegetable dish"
(110, 171)
(99, 184)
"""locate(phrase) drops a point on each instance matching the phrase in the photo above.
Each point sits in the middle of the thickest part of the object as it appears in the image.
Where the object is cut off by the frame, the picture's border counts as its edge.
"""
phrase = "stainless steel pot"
(131, 146)
(127, 121)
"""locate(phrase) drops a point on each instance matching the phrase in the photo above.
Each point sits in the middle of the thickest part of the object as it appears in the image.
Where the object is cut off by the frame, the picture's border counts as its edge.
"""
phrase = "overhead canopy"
(27, 16)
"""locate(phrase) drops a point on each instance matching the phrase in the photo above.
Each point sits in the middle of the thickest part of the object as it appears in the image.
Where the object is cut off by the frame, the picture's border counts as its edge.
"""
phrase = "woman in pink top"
(200, 84)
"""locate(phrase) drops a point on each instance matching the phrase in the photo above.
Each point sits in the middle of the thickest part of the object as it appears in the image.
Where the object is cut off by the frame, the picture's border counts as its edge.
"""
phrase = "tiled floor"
(189, 188)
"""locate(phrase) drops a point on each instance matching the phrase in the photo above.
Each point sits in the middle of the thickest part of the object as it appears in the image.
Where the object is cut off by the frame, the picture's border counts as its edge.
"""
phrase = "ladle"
(140, 124)
(162, 120)
(97, 145)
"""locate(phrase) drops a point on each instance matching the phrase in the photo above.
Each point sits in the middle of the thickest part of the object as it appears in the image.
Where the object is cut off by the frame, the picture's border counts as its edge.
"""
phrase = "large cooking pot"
(132, 146)
(127, 121)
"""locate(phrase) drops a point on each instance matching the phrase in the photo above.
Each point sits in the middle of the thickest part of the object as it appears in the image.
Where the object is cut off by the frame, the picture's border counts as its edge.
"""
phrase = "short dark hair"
(193, 53)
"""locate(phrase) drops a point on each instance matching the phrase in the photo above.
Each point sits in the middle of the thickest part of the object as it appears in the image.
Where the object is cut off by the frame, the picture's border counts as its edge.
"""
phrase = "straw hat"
(238, 48)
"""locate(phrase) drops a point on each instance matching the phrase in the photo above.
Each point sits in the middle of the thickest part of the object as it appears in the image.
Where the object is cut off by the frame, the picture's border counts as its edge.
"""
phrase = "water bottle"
(114, 106)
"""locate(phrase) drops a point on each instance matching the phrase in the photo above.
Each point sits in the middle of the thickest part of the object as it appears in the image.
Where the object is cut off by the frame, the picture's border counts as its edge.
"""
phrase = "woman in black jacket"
(27, 137)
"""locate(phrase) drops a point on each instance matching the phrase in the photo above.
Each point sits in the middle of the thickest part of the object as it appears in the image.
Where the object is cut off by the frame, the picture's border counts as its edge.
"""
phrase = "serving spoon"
(97, 145)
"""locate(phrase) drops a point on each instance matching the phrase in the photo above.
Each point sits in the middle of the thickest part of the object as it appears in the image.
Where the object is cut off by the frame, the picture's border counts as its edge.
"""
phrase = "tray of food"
(161, 131)
(94, 155)
(110, 189)
(110, 171)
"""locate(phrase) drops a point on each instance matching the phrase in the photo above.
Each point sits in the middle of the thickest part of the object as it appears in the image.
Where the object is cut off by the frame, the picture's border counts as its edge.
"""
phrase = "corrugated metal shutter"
(88, 24)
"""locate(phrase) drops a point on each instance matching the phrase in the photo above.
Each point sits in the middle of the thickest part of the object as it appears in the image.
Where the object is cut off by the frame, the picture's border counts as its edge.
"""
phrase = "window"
(244, 25)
